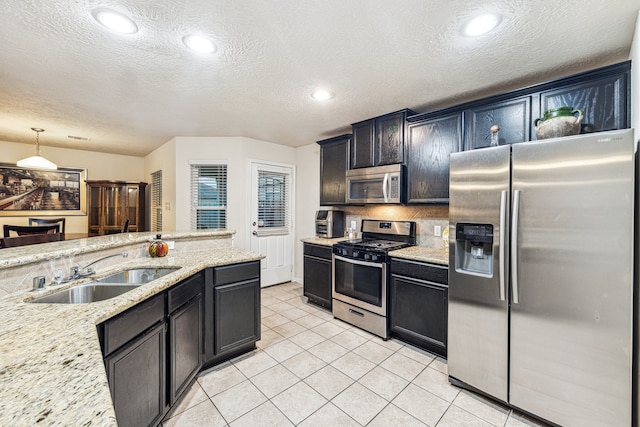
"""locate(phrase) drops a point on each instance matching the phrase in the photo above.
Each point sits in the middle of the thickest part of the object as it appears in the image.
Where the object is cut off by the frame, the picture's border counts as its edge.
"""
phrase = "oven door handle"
(355, 261)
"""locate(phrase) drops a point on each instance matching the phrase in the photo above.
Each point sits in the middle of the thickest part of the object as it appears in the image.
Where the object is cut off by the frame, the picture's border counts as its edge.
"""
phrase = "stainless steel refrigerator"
(541, 276)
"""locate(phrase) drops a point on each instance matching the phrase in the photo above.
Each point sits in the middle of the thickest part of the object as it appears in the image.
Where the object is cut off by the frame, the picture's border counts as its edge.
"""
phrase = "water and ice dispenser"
(474, 249)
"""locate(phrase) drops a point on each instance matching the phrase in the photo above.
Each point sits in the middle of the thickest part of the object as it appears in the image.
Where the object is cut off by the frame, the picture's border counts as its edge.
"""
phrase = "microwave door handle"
(385, 187)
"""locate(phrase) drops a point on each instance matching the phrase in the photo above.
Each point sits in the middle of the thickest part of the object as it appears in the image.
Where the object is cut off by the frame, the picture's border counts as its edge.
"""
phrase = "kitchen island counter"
(51, 365)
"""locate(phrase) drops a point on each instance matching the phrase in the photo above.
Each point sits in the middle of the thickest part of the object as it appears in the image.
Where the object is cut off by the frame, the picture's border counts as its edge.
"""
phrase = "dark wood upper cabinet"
(334, 162)
(423, 142)
(513, 116)
(389, 140)
(362, 144)
(379, 141)
(430, 142)
(603, 101)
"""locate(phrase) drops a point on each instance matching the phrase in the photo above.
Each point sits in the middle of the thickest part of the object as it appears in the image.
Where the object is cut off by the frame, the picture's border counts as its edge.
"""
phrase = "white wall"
(307, 199)
(99, 166)
(163, 159)
(237, 153)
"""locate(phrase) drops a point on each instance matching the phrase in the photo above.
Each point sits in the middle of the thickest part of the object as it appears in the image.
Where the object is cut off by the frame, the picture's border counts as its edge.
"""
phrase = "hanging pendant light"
(37, 161)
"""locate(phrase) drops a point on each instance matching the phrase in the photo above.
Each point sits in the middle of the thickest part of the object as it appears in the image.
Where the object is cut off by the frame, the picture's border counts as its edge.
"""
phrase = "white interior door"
(271, 219)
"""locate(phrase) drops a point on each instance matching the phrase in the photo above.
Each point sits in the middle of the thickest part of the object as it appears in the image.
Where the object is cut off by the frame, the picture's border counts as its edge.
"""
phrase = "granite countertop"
(51, 367)
(323, 241)
(21, 255)
(413, 253)
(422, 254)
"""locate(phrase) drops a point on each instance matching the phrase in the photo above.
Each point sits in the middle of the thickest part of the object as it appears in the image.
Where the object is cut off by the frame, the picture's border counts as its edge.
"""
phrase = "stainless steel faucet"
(78, 272)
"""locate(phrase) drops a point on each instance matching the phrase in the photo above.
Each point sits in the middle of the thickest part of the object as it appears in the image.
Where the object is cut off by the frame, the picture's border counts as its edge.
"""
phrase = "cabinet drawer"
(318, 251)
(429, 272)
(133, 322)
(236, 273)
(184, 291)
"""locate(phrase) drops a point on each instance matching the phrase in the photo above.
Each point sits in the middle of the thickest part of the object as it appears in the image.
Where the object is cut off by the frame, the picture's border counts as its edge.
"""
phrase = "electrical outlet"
(167, 206)
(353, 225)
(171, 244)
(437, 230)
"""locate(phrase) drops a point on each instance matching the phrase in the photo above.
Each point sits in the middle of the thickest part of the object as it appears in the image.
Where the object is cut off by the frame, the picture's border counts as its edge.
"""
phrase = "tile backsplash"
(426, 217)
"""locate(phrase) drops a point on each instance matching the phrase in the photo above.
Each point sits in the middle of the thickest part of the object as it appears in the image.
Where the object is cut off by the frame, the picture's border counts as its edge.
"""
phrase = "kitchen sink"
(89, 292)
(105, 288)
(137, 276)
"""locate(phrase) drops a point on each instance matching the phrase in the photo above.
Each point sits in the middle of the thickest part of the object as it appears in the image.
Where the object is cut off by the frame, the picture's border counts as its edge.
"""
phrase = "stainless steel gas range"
(361, 273)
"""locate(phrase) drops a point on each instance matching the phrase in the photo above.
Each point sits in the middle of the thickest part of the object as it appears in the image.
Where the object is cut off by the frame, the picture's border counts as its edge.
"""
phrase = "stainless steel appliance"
(361, 273)
(380, 184)
(541, 276)
(329, 224)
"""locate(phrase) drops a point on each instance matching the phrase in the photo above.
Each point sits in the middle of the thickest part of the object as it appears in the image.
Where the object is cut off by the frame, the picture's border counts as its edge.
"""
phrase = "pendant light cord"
(37, 143)
(37, 131)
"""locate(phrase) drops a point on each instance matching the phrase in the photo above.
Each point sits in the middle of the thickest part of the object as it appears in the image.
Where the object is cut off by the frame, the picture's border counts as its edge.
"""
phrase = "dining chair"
(48, 221)
(125, 227)
(23, 230)
(29, 239)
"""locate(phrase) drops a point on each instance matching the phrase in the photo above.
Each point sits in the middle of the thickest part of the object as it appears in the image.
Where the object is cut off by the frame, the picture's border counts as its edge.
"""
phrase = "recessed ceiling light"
(481, 24)
(115, 21)
(199, 44)
(322, 95)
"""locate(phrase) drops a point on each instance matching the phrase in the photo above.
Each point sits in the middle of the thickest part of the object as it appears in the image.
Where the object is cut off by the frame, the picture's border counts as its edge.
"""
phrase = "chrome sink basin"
(105, 288)
(137, 276)
(89, 292)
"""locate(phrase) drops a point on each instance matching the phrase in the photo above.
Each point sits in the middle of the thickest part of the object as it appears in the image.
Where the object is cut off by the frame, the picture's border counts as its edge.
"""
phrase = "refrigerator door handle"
(514, 247)
(503, 243)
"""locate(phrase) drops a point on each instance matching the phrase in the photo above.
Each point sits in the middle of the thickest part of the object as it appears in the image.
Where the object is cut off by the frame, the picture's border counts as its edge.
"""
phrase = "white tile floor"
(313, 370)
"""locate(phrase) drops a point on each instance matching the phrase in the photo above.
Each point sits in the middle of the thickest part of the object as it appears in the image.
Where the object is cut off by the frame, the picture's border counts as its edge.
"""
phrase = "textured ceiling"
(61, 71)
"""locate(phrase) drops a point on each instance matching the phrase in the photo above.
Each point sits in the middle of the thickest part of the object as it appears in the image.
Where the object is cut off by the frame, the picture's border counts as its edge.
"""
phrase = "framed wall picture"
(31, 192)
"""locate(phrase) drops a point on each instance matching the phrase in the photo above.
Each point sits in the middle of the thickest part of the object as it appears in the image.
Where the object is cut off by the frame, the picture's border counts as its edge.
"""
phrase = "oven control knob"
(374, 257)
(367, 256)
(344, 252)
(355, 254)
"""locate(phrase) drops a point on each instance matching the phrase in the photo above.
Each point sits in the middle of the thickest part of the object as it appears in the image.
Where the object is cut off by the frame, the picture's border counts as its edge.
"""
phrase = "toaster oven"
(329, 224)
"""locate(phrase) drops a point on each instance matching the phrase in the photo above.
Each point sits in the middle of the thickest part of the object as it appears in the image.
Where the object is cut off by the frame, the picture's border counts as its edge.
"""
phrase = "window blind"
(156, 201)
(273, 203)
(208, 196)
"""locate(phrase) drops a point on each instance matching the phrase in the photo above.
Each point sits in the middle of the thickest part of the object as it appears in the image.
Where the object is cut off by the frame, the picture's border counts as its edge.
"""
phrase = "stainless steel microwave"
(380, 184)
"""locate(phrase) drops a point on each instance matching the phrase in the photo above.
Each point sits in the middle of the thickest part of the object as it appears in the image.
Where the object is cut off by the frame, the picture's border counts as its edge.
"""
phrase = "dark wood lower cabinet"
(154, 350)
(236, 321)
(185, 344)
(185, 305)
(418, 305)
(317, 274)
(232, 311)
(136, 376)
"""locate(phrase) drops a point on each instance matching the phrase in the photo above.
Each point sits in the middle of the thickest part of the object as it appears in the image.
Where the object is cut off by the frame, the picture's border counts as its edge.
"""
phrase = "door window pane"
(273, 203)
